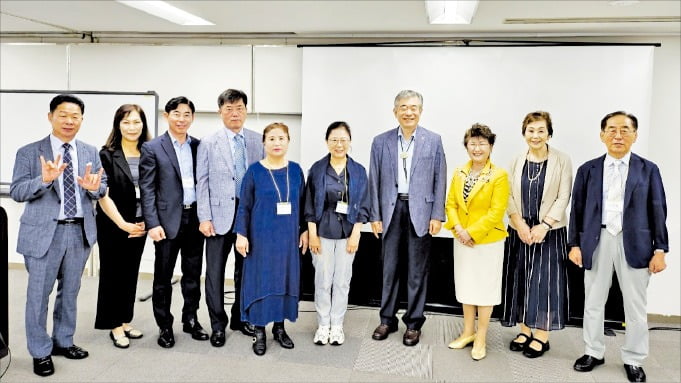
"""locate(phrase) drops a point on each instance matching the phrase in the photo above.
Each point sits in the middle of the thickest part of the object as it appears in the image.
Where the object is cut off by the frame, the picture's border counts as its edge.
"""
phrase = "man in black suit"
(167, 185)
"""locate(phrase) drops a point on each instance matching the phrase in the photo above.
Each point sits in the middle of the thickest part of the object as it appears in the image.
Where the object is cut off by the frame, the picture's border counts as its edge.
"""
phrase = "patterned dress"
(535, 276)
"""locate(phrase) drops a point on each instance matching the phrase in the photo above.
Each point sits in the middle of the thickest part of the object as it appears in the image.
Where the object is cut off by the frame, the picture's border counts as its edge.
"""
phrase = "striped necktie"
(69, 184)
(239, 161)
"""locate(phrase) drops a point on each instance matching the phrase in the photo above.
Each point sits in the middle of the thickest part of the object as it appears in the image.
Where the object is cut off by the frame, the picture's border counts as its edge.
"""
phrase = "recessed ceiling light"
(623, 2)
(166, 11)
(450, 11)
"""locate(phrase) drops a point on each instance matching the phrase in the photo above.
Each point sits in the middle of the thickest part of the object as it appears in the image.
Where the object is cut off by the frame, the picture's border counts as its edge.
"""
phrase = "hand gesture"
(575, 256)
(207, 229)
(657, 263)
(133, 229)
(377, 227)
(434, 226)
(315, 243)
(51, 170)
(538, 233)
(157, 233)
(90, 181)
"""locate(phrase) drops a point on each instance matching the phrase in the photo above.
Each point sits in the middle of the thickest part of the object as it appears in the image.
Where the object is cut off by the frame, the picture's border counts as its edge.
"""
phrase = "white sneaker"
(321, 336)
(337, 337)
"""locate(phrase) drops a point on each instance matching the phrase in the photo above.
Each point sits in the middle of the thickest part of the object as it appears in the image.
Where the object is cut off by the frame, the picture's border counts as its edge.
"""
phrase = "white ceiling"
(348, 19)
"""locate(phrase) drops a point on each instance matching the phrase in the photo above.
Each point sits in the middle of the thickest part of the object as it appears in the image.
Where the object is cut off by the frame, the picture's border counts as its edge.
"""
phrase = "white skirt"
(477, 273)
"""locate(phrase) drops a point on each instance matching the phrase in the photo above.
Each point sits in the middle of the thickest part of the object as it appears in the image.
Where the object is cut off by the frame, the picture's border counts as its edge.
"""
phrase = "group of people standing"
(236, 189)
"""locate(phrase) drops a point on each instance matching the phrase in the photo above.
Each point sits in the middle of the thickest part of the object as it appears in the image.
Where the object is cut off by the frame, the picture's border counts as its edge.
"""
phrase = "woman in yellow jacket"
(476, 205)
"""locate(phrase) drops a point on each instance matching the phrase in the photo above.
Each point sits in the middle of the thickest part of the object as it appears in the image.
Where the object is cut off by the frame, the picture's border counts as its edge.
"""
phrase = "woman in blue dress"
(270, 234)
(535, 278)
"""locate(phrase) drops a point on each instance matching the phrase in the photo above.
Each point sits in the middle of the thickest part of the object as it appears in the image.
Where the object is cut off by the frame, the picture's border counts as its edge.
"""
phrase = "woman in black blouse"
(336, 206)
(120, 227)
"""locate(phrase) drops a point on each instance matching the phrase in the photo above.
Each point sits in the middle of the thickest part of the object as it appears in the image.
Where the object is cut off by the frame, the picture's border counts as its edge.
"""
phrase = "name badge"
(187, 182)
(137, 192)
(283, 208)
(342, 207)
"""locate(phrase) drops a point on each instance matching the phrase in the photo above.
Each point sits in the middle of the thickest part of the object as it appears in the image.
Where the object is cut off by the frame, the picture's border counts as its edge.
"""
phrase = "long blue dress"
(270, 284)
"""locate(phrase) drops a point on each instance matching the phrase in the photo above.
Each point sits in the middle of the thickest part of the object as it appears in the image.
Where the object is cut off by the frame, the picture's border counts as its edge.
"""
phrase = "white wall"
(665, 123)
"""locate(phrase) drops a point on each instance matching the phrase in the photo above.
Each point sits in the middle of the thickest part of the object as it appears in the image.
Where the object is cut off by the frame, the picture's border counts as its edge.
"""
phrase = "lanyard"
(288, 189)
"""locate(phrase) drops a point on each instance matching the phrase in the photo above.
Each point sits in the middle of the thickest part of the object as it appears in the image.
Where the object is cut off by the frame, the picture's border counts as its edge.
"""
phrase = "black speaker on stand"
(4, 309)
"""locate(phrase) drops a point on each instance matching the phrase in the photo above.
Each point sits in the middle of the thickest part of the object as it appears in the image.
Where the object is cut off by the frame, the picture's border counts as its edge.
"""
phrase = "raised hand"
(90, 181)
(51, 170)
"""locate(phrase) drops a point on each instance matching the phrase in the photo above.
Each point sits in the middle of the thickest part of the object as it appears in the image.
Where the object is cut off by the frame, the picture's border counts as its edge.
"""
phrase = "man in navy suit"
(53, 176)
(617, 223)
(222, 161)
(167, 185)
(407, 190)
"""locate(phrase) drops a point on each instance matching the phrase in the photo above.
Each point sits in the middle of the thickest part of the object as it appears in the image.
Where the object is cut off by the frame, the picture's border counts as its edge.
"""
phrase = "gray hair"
(408, 94)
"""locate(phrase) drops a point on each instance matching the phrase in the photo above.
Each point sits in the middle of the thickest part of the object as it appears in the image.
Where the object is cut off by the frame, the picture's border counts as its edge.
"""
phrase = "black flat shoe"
(166, 338)
(245, 328)
(520, 346)
(259, 341)
(635, 373)
(122, 342)
(193, 327)
(72, 352)
(282, 337)
(587, 363)
(532, 353)
(43, 366)
(217, 338)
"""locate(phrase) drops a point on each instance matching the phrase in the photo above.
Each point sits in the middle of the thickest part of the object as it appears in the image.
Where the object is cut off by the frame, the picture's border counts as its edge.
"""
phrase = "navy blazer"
(643, 220)
(161, 184)
(358, 195)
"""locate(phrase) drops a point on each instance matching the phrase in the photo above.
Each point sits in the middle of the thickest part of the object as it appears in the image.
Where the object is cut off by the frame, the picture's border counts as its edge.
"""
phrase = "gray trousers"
(333, 272)
(609, 255)
(64, 263)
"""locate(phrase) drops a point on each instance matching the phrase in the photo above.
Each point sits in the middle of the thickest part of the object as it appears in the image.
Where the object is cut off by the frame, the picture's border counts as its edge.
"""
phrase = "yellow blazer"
(483, 215)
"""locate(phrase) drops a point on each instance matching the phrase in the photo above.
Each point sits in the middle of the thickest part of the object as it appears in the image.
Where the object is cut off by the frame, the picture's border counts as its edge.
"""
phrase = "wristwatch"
(546, 225)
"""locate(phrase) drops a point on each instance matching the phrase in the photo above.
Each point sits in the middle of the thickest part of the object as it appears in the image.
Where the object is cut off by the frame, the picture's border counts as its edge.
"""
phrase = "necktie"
(69, 184)
(239, 161)
(614, 199)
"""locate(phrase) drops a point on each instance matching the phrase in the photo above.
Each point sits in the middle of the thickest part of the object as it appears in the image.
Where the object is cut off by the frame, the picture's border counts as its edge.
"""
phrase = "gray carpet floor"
(360, 359)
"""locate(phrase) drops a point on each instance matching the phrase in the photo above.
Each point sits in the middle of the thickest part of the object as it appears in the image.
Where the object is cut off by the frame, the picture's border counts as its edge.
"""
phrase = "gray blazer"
(215, 185)
(39, 220)
(427, 185)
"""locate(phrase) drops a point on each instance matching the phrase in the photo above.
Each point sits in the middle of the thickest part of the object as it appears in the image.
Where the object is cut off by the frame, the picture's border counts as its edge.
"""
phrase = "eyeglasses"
(624, 132)
(410, 108)
(480, 145)
(336, 141)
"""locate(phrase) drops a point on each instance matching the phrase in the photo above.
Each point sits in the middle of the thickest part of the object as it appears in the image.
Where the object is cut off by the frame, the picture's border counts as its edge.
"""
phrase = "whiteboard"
(496, 86)
(23, 119)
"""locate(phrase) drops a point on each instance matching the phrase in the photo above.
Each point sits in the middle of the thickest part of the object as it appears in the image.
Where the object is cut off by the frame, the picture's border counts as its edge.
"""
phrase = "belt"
(70, 221)
(403, 196)
(190, 206)
(603, 226)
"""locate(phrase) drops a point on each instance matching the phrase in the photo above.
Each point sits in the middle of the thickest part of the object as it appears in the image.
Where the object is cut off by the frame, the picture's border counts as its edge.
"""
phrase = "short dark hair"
(231, 96)
(608, 116)
(62, 98)
(174, 102)
(538, 116)
(479, 130)
(275, 125)
(336, 125)
(115, 137)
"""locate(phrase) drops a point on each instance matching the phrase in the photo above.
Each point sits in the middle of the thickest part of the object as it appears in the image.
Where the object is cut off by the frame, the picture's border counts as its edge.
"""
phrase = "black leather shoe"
(411, 337)
(43, 366)
(635, 373)
(73, 352)
(259, 341)
(382, 331)
(217, 338)
(245, 328)
(282, 337)
(587, 363)
(532, 353)
(520, 346)
(192, 326)
(166, 338)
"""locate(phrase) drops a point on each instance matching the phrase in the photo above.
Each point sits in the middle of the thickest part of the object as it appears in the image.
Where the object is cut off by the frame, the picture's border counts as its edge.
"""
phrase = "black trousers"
(189, 243)
(217, 251)
(406, 260)
(119, 263)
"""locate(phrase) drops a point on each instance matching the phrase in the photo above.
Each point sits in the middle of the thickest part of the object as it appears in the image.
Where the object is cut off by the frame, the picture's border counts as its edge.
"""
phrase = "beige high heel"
(478, 353)
(461, 342)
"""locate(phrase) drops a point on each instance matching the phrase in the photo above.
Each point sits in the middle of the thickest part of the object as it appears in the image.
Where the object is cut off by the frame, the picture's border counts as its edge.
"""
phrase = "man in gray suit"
(407, 184)
(222, 160)
(57, 230)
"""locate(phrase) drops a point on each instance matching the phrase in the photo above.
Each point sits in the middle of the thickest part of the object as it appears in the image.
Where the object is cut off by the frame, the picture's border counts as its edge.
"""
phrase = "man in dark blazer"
(167, 186)
(222, 161)
(617, 222)
(407, 183)
(57, 230)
